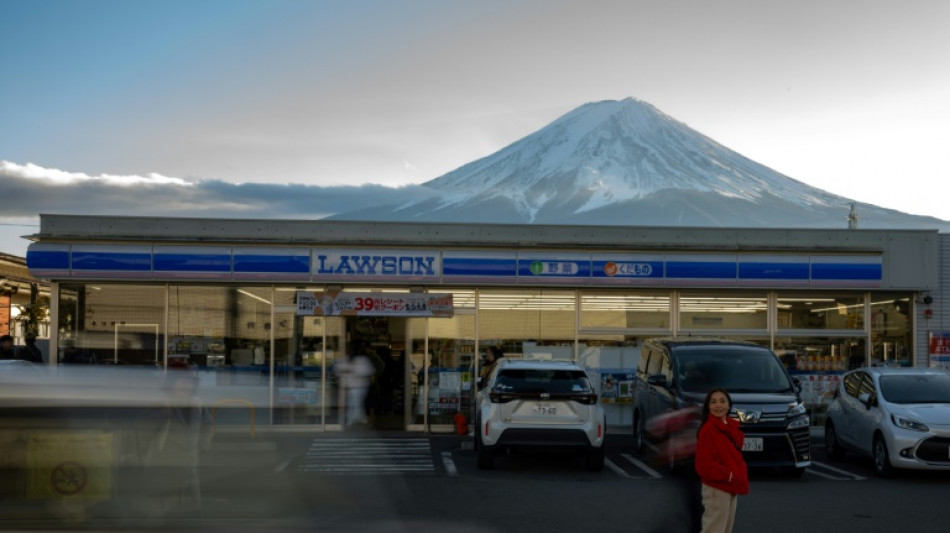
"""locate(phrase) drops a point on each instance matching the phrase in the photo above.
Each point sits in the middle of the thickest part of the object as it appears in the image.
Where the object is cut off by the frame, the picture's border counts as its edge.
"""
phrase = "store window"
(305, 348)
(225, 332)
(443, 380)
(818, 364)
(534, 324)
(611, 361)
(112, 324)
(820, 310)
(891, 330)
(625, 310)
(717, 311)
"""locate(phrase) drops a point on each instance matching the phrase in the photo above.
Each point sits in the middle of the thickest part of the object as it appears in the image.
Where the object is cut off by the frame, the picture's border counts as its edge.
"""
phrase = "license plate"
(753, 444)
(546, 409)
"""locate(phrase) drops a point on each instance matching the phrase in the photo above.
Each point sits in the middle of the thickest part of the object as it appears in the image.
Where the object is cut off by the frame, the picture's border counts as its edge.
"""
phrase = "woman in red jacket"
(719, 463)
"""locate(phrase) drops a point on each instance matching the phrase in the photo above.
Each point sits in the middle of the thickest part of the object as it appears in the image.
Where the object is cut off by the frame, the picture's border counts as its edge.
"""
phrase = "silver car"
(539, 404)
(900, 417)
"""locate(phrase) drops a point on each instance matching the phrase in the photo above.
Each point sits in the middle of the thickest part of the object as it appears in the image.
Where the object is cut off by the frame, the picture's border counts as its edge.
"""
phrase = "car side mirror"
(867, 399)
(480, 382)
(658, 380)
(797, 383)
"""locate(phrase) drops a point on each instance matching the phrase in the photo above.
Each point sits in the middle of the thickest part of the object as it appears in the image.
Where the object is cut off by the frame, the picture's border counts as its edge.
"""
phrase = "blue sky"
(281, 96)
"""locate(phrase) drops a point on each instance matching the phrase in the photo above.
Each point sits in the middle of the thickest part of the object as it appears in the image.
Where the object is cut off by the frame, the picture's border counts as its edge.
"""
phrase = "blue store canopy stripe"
(451, 266)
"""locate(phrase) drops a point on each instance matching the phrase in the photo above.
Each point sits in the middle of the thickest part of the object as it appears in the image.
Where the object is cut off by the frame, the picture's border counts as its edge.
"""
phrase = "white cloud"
(59, 177)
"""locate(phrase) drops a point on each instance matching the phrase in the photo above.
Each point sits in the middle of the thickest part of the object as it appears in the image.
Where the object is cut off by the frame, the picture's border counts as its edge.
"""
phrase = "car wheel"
(882, 461)
(595, 459)
(832, 446)
(637, 433)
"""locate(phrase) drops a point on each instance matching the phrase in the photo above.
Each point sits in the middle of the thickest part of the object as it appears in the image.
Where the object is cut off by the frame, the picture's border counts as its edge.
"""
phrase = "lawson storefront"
(263, 308)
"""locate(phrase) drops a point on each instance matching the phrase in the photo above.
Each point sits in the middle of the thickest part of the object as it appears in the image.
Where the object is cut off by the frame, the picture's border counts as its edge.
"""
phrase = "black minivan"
(677, 373)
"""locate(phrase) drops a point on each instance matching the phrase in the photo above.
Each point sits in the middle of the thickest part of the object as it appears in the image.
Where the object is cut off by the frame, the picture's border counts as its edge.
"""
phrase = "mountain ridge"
(627, 163)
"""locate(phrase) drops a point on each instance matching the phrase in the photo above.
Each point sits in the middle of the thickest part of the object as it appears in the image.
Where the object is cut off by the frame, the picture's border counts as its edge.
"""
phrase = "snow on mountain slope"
(626, 163)
(614, 151)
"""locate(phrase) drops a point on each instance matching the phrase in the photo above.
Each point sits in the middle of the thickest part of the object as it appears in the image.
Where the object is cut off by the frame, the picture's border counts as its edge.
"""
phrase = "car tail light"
(499, 397)
(586, 399)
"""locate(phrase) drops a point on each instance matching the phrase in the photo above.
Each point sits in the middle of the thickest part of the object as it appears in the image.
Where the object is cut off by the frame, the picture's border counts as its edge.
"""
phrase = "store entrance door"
(386, 340)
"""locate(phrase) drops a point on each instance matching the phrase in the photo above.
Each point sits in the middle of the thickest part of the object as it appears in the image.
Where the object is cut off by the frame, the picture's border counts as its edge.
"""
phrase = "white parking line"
(283, 465)
(826, 476)
(449, 464)
(838, 470)
(641, 465)
(610, 464)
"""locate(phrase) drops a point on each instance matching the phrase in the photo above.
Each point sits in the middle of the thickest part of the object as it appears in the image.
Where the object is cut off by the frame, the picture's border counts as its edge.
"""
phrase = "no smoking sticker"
(68, 478)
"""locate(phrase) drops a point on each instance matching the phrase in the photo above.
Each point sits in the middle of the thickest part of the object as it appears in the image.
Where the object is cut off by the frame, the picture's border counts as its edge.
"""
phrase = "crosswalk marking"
(368, 456)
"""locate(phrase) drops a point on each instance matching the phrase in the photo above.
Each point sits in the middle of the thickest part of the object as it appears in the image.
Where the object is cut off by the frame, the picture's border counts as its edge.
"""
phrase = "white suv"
(539, 404)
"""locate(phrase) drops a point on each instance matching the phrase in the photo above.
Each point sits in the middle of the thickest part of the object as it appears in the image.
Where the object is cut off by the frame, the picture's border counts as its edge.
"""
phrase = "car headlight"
(908, 423)
(795, 409)
(800, 422)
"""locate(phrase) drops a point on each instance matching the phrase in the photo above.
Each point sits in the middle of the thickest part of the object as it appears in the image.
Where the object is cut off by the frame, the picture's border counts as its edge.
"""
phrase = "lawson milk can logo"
(627, 269)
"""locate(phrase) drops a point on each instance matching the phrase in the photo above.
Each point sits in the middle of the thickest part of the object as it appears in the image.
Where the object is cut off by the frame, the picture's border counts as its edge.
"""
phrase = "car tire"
(595, 458)
(638, 442)
(882, 461)
(832, 444)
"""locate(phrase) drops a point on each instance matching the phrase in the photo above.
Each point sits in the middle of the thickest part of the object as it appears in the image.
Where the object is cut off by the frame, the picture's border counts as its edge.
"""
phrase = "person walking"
(719, 463)
(492, 355)
(6, 347)
(31, 352)
(356, 373)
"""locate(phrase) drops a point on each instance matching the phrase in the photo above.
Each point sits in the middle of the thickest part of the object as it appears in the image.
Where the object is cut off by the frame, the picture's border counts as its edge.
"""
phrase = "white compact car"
(539, 404)
(900, 417)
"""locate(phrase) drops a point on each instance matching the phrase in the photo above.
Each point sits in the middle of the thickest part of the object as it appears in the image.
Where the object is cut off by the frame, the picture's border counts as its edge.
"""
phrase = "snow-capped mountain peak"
(626, 163)
(614, 151)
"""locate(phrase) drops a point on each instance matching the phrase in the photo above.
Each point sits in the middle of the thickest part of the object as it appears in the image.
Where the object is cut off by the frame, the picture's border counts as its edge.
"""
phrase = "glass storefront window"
(305, 348)
(821, 311)
(891, 330)
(818, 363)
(449, 385)
(225, 331)
(112, 324)
(623, 310)
(526, 323)
(611, 362)
(723, 311)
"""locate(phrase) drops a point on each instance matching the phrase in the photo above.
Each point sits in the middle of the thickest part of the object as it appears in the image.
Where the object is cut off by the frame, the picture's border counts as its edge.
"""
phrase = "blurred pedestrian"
(492, 355)
(356, 374)
(6, 347)
(719, 463)
(30, 352)
(672, 440)
(184, 430)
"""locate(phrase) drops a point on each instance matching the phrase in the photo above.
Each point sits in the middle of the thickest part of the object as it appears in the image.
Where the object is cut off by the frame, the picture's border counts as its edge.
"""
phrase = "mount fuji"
(626, 163)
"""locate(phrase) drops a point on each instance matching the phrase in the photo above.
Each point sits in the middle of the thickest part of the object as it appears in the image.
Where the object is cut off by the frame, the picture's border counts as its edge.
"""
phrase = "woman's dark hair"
(709, 398)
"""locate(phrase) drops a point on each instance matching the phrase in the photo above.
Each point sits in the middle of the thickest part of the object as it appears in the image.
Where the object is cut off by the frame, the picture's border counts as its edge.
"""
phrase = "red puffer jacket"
(719, 461)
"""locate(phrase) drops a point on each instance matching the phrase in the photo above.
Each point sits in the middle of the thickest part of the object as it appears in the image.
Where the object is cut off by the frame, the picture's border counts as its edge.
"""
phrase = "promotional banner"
(939, 350)
(335, 303)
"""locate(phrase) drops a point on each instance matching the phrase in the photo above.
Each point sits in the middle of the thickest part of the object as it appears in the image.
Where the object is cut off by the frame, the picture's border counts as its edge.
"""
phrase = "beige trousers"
(719, 512)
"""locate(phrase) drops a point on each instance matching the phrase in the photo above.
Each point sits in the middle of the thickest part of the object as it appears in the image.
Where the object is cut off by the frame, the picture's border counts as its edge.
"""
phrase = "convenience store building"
(263, 308)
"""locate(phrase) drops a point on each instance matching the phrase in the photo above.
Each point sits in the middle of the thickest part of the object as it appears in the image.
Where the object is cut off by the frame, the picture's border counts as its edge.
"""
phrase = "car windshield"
(519, 380)
(916, 388)
(734, 368)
